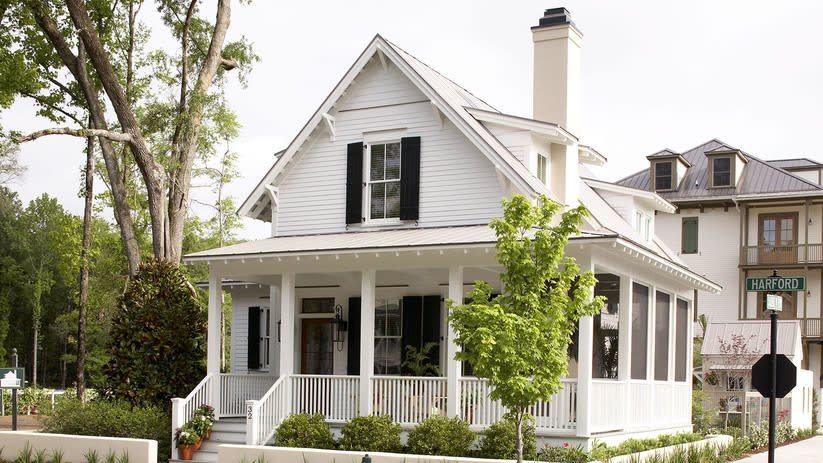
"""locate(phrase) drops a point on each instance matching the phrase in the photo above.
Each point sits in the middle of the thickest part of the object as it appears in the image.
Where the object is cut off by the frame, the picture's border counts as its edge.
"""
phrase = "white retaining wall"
(246, 453)
(75, 448)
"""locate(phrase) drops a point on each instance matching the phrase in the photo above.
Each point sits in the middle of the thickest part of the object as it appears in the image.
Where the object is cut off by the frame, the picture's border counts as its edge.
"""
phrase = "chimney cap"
(555, 17)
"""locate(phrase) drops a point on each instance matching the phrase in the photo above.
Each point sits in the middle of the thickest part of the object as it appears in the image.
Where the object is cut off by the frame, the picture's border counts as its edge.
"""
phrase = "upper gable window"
(721, 171)
(663, 175)
(383, 182)
(542, 167)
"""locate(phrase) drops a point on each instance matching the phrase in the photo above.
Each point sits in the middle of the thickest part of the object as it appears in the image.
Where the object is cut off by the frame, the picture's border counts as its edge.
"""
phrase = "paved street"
(807, 451)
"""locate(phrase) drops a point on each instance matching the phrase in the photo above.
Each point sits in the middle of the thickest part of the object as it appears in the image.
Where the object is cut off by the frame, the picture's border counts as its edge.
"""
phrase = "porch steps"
(225, 431)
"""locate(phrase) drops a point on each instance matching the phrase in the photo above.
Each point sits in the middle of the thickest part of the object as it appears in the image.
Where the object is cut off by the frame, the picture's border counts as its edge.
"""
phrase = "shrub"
(498, 441)
(111, 418)
(563, 454)
(157, 337)
(304, 431)
(438, 435)
(759, 435)
(371, 434)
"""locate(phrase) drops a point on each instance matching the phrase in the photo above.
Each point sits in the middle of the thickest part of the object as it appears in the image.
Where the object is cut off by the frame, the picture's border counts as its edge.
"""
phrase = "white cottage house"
(379, 210)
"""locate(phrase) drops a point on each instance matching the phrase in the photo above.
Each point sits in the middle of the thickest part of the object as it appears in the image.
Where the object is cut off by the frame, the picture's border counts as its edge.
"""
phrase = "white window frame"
(383, 302)
(542, 174)
(368, 182)
(643, 224)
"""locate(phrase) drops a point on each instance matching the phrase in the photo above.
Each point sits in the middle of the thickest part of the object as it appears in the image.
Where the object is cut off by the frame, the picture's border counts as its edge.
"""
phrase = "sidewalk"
(806, 451)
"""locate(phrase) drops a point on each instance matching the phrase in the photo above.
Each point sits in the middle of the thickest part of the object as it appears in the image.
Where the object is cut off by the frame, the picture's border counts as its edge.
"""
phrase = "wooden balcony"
(777, 256)
(810, 328)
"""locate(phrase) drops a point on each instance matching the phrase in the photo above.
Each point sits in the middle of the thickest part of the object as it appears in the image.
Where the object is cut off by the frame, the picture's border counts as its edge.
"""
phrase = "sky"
(655, 74)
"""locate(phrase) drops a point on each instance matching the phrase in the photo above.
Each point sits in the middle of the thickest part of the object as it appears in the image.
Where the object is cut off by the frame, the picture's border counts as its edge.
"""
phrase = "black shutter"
(354, 183)
(254, 339)
(412, 317)
(431, 326)
(410, 178)
(353, 359)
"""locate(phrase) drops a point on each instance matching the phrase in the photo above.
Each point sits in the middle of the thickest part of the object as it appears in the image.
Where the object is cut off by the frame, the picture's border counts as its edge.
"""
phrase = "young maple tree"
(519, 339)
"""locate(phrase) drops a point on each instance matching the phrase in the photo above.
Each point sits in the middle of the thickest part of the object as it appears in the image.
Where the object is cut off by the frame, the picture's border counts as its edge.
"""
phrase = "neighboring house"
(730, 350)
(380, 209)
(738, 217)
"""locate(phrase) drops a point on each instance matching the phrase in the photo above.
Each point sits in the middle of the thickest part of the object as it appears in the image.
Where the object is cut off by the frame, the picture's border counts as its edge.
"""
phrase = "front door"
(317, 351)
(778, 238)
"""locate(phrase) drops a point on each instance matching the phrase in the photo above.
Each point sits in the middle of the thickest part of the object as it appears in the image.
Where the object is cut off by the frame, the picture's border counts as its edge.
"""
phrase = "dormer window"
(725, 167)
(663, 175)
(721, 171)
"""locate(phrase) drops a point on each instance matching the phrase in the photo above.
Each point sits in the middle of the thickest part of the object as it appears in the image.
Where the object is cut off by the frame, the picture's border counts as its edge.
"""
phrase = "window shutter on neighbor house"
(354, 183)
(410, 178)
(353, 354)
(254, 339)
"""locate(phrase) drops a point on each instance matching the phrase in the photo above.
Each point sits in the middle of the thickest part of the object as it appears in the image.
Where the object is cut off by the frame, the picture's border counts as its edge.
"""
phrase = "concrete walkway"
(806, 451)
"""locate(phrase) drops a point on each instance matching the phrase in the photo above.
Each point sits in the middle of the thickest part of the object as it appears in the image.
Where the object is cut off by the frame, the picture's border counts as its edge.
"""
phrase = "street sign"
(12, 378)
(776, 284)
(774, 302)
(762, 376)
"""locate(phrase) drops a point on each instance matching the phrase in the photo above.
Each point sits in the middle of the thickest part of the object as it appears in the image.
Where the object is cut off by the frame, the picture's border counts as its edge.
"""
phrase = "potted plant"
(204, 416)
(186, 440)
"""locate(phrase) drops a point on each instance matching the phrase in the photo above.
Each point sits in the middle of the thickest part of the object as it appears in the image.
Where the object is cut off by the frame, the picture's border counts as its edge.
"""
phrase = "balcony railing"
(782, 255)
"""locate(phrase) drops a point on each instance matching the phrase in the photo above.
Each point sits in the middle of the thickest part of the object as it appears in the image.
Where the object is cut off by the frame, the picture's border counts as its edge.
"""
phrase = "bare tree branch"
(114, 136)
(228, 64)
(43, 102)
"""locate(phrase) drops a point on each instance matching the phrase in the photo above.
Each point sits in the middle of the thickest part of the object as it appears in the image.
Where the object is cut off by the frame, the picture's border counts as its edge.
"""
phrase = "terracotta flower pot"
(198, 444)
(186, 451)
(207, 434)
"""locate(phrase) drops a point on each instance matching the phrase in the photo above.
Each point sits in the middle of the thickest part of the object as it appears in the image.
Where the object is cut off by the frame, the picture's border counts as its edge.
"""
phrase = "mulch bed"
(24, 423)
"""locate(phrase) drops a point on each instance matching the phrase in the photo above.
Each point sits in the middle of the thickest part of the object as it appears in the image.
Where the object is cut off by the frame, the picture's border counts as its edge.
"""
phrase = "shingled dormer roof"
(758, 178)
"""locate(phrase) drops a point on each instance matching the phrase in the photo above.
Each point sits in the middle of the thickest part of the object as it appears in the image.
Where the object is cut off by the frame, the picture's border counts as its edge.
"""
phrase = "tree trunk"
(76, 65)
(84, 274)
(34, 360)
(518, 434)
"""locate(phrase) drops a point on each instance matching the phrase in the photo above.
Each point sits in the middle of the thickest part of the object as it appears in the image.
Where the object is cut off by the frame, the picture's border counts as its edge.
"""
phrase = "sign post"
(774, 303)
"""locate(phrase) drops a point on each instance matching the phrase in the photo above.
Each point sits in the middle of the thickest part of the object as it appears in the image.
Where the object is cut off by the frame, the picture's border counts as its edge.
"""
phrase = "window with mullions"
(542, 167)
(722, 171)
(384, 181)
(663, 175)
(388, 334)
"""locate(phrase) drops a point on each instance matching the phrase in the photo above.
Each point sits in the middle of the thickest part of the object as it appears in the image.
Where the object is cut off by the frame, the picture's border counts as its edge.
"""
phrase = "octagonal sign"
(786, 376)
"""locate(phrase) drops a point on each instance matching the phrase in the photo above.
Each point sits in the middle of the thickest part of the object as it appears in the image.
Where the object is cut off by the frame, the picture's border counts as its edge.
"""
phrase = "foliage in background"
(438, 435)
(304, 431)
(158, 337)
(101, 417)
(498, 440)
(519, 339)
(371, 434)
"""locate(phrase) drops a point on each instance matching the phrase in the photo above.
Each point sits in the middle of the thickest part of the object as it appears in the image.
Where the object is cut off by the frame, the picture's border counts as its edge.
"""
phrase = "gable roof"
(758, 178)
(452, 100)
(755, 335)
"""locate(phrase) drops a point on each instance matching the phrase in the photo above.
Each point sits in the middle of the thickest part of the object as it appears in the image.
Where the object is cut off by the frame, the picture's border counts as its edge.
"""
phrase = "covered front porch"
(625, 368)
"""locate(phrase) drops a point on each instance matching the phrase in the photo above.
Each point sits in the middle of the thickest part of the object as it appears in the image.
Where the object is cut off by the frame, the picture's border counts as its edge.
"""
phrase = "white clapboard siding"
(379, 86)
(458, 185)
(515, 140)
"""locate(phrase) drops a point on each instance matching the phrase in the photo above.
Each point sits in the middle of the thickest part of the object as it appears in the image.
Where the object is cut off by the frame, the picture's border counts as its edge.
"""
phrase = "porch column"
(213, 333)
(452, 365)
(584, 376)
(287, 324)
(624, 345)
(367, 294)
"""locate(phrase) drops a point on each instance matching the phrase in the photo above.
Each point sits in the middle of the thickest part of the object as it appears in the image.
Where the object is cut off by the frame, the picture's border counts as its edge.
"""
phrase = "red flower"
(565, 444)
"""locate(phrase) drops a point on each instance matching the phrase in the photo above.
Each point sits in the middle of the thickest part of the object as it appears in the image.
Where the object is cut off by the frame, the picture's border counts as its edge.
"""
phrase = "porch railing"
(182, 410)
(810, 327)
(264, 415)
(235, 390)
(408, 400)
(336, 397)
(784, 254)
(560, 413)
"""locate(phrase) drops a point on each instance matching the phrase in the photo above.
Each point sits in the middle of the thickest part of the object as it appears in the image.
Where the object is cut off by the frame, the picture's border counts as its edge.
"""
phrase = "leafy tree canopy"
(519, 339)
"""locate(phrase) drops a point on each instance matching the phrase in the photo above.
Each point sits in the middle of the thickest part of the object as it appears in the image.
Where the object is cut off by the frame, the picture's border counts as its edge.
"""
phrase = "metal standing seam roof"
(757, 336)
(364, 240)
(798, 163)
(758, 177)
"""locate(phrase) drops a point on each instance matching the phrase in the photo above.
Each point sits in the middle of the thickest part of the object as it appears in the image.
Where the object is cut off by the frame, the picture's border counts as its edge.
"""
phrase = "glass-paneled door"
(318, 350)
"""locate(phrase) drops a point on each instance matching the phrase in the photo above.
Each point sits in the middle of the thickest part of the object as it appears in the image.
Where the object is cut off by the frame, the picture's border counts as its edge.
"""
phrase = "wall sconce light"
(278, 330)
(339, 326)
(810, 220)
(809, 293)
